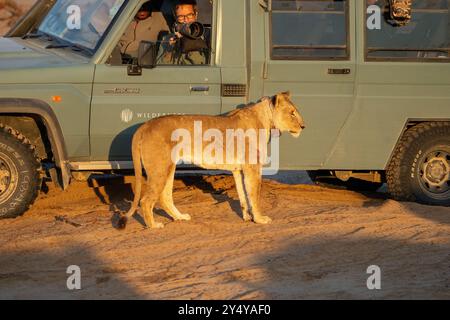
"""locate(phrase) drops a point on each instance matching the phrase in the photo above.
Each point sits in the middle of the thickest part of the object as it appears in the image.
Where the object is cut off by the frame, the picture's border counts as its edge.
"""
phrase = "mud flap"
(60, 177)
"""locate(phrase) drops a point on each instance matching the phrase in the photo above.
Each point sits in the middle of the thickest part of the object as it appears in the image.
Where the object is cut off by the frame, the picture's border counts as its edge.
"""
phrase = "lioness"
(153, 144)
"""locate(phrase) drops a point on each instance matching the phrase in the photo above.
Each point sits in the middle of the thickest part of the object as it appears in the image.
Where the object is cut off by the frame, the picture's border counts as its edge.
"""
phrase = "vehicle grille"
(234, 90)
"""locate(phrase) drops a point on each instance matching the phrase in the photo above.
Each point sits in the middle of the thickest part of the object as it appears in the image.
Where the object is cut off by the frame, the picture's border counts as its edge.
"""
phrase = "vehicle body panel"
(31, 72)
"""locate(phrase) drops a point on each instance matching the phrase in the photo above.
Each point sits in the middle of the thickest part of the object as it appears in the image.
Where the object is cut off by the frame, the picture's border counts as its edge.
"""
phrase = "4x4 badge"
(123, 91)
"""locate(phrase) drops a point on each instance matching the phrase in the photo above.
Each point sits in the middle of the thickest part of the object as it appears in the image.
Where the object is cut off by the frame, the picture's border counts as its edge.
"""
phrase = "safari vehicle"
(375, 92)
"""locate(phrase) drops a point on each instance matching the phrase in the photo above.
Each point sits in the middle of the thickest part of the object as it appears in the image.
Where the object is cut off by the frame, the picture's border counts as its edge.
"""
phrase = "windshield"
(81, 22)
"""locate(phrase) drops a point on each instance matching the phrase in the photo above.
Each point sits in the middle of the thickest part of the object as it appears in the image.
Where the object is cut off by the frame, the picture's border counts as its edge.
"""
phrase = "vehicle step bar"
(128, 165)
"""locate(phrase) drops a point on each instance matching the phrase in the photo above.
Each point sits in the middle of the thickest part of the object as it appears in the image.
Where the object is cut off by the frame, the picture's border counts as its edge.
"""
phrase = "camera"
(194, 30)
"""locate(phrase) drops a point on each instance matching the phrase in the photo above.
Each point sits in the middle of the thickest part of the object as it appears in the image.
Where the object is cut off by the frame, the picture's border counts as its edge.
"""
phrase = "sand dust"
(319, 246)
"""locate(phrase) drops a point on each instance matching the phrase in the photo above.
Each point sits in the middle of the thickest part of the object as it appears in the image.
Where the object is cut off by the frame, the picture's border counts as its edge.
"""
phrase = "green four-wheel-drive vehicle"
(372, 81)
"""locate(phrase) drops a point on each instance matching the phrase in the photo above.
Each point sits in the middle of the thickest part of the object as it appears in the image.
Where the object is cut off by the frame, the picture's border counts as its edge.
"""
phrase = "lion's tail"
(136, 154)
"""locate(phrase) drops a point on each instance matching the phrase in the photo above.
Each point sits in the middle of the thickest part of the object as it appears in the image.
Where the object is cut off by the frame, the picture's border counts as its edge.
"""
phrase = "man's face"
(142, 14)
(186, 13)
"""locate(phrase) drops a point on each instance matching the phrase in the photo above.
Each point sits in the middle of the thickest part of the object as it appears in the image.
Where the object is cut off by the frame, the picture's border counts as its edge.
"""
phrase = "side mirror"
(147, 56)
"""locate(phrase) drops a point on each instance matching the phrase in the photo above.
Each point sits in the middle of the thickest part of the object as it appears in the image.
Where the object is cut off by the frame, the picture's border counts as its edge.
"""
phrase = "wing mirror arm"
(134, 69)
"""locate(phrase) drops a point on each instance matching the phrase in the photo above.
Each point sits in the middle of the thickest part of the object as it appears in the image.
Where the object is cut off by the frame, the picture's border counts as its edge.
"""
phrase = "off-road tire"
(20, 177)
(423, 147)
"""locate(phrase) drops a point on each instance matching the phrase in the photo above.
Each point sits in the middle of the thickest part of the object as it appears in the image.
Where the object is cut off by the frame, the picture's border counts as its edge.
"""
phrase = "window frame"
(213, 40)
(367, 58)
(313, 58)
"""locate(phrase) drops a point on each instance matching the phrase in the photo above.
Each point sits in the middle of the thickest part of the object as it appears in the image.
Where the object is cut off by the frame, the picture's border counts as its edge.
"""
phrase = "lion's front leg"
(252, 183)
(238, 179)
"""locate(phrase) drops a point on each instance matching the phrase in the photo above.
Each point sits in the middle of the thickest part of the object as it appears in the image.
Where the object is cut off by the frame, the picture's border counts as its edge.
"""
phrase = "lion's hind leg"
(155, 185)
(147, 205)
(166, 199)
(238, 179)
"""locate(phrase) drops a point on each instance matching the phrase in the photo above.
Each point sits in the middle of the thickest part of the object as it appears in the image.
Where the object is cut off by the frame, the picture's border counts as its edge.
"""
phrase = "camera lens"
(193, 30)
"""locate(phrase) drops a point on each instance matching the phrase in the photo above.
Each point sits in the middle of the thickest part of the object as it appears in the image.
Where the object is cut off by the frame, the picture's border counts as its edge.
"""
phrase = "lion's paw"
(158, 225)
(262, 220)
(185, 217)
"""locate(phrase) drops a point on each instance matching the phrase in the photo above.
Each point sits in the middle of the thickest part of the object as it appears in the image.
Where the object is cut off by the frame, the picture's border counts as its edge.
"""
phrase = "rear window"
(426, 37)
(313, 29)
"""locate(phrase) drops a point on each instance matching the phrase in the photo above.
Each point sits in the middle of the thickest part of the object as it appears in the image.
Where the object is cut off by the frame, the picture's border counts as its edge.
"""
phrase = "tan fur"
(152, 146)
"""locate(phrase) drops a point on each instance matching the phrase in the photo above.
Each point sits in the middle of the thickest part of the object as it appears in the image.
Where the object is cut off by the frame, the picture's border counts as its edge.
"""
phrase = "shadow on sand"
(336, 268)
(43, 275)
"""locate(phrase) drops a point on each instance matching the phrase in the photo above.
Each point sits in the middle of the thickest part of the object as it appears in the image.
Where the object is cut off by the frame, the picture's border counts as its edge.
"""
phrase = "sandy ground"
(319, 246)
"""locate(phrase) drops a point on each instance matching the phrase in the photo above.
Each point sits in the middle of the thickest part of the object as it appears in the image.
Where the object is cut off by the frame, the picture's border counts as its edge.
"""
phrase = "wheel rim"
(8, 177)
(435, 174)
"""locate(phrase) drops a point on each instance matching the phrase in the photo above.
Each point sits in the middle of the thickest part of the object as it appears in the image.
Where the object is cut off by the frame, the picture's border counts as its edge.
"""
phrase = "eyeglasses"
(188, 16)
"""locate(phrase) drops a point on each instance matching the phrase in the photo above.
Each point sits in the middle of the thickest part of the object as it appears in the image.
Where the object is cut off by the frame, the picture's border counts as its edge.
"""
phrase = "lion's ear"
(275, 100)
(287, 94)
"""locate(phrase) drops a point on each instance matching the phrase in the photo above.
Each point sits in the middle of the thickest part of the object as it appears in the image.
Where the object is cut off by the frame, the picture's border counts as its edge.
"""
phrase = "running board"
(101, 165)
(128, 165)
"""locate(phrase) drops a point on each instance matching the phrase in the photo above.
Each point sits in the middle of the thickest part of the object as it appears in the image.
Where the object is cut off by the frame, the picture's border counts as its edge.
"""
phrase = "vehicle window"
(426, 36)
(309, 29)
(94, 16)
(190, 36)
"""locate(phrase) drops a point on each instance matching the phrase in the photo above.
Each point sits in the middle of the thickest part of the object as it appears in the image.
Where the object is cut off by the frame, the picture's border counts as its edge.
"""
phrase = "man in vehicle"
(180, 49)
(146, 26)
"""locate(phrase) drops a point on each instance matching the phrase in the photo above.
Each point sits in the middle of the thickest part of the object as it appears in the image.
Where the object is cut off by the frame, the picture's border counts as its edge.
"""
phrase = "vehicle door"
(122, 102)
(311, 52)
(403, 75)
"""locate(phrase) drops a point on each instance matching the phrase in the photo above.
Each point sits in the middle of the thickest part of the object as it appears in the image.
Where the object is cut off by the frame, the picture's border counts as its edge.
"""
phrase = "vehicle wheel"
(420, 167)
(20, 179)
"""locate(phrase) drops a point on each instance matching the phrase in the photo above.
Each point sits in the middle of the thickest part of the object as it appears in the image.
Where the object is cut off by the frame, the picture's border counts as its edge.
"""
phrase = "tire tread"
(14, 135)
(412, 138)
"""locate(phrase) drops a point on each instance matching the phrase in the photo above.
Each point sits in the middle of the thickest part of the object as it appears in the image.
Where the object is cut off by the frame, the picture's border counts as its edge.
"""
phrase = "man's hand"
(174, 39)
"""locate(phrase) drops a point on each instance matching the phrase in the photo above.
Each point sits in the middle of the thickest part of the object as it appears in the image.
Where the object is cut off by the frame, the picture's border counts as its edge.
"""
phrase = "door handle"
(339, 71)
(199, 88)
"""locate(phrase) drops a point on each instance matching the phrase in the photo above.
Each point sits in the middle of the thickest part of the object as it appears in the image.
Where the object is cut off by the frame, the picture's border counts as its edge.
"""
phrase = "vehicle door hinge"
(265, 70)
(266, 5)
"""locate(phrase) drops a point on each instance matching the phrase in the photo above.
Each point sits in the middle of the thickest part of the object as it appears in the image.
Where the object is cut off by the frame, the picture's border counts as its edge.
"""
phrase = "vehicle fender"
(55, 136)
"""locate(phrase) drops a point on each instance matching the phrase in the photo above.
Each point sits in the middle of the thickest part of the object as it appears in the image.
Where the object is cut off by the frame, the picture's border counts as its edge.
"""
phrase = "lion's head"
(286, 117)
